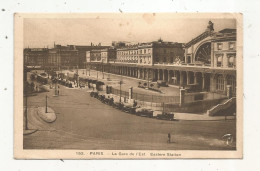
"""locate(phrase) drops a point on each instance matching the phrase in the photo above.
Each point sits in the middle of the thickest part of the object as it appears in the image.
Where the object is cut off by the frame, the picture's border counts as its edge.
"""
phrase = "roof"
(228, 30)
(199, 38)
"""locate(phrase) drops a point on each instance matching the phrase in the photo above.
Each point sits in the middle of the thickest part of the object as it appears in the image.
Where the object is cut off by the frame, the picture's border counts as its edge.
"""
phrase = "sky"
(43, 32)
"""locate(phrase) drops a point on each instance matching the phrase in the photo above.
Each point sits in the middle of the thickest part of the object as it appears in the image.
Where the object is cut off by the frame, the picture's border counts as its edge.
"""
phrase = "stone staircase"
(228, 107)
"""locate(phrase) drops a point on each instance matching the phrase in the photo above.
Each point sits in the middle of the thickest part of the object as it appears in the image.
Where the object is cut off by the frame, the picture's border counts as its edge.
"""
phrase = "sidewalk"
(200, 117)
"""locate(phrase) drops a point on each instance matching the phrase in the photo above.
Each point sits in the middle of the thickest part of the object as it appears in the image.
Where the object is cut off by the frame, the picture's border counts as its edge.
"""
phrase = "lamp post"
(83, 68)
(46, 110)
(89, 69)
(97, 70)
(102, 70)
(148, 73)
(85, 64)
(77, 76)
(120, 82)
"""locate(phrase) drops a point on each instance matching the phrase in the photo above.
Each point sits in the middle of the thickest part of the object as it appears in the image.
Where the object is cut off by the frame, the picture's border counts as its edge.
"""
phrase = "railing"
(222, 106)
(182, 64)
(193, 97)
(148, 98)
(117, 92)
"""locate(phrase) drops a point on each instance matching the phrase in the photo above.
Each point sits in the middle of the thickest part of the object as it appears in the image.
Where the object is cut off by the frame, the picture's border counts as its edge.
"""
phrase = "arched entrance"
(203, 54)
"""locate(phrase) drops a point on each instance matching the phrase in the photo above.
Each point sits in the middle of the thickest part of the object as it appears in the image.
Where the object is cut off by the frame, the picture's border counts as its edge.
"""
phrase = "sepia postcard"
(128, 86)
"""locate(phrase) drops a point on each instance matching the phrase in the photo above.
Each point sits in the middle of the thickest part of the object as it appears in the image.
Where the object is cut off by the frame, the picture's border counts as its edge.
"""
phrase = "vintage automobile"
(108, 100)
(130, 107)
(144, 112)
(101, 97)
(118, 105)
(82, 85)
(166, 116)
(162, 83)
(94, 94)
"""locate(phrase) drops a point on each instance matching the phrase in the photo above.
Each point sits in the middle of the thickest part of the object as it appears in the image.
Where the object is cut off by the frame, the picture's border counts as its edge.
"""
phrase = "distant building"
(127, 54)
(35, 56)
(144, 60)
(82, 52)
(59, 57)
(159, 52)
(108, 54)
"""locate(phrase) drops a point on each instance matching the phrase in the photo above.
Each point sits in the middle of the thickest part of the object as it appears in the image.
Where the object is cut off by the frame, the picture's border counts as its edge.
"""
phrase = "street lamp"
(102, 70)
(46, 110)
(97, 70)
(120, 82)
(89, 69)
(83, 69)
(85, 64)
(148, 73)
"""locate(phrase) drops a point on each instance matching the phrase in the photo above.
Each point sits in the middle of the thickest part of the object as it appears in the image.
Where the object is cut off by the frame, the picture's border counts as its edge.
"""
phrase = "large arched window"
(203, 54)
(220, 83)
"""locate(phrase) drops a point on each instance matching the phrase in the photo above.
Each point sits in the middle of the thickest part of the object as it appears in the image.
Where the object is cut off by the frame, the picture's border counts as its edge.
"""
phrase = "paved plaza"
(85, 123)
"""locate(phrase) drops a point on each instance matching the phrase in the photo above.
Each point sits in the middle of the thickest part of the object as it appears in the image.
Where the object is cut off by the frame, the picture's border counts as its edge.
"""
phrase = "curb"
(29, 131)
(47, 117)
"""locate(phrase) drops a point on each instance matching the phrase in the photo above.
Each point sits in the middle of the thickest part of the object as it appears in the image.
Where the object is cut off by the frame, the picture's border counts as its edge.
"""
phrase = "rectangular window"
(219, 60)
(231, 60)
(231, 45)
(219, 46)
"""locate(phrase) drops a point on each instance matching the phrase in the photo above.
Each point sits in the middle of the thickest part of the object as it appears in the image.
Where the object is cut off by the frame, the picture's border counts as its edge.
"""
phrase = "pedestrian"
(169, 138)
(58, 92)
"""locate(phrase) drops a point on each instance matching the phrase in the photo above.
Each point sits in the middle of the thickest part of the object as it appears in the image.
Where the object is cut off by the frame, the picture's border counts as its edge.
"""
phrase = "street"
(85, 123)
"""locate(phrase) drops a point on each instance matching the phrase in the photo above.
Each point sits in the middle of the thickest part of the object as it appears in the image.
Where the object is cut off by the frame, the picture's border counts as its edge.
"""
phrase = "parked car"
(162, 83)
(166, 116)
(144, 112)
(94, 94)
(129, 107)
(108, 100)
(118, 105)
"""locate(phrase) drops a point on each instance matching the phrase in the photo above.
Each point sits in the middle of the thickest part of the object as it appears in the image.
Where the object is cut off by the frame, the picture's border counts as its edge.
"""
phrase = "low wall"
(193, 107)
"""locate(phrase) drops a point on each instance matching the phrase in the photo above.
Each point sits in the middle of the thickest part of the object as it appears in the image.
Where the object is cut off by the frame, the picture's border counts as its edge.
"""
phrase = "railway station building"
(205, 63)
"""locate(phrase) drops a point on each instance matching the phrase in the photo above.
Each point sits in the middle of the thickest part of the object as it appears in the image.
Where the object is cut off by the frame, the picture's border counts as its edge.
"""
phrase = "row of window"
(231, 60)
(129, 61)
(231, 46)
(134, 52)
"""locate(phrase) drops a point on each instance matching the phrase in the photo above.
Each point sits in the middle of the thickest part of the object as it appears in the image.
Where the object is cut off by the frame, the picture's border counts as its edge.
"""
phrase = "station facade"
(206, 63)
